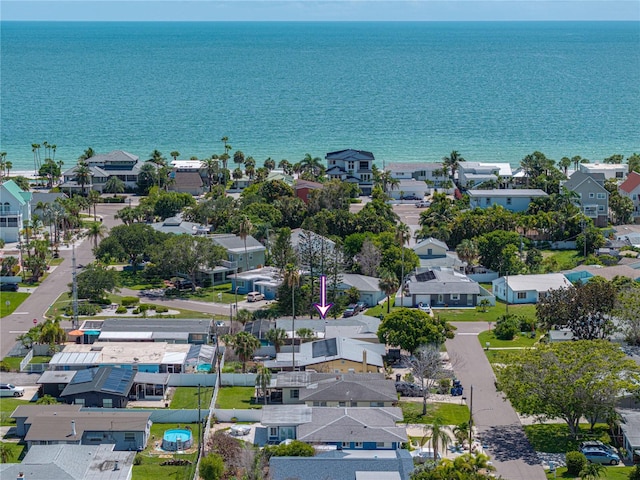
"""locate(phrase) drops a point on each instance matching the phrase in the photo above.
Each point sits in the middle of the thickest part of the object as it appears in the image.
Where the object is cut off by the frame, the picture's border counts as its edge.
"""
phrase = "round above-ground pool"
(177, 439)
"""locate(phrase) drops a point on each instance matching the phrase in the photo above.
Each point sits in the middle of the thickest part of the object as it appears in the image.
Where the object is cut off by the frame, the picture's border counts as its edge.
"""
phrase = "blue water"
(405, 91)
(177, 435)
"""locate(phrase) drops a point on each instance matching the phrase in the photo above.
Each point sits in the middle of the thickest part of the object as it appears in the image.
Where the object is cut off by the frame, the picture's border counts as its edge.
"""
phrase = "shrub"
(211, 467)
(137, 460)
(161, 309)
(136, 311)
(293, 449)
(121, 309)
(84, 309)
(507, 327)
(575, 462)
(4, 366)
(635, 474)
(128, 301)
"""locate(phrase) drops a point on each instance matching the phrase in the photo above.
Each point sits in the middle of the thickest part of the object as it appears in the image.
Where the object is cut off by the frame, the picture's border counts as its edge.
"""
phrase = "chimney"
(364, 360)
(20, 476)
(73, 428)
(116, 467)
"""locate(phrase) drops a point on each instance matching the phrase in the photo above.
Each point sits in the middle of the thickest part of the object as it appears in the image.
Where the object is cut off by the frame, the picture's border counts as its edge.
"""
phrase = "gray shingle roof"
(234, 243)
(345, 390)
(107, 380)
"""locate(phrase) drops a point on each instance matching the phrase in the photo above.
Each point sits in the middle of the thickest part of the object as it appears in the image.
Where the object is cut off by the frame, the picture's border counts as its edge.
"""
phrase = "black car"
(9, 287)
(351, 310)
(407, 389)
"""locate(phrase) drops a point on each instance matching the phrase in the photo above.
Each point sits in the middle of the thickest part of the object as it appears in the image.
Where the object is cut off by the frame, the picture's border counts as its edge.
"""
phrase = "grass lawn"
(150, 468)
(40, 359)
(492, 314)
(557, 260)
(187, 398)
(15, 299)
(500, 356)
(236, 397)
(382, 308)
(451, 413)
(555, 438)
(7, 406)
(521, 341)
(12, 362)
(609, 473)
(138, 281)
(17, 451)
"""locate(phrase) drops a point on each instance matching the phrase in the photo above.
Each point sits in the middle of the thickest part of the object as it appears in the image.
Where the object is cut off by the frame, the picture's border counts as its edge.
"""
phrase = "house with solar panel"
(106, 387)
(445, 287)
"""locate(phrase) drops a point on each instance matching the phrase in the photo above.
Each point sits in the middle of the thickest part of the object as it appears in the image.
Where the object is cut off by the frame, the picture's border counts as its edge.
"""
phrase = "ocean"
(408, 92)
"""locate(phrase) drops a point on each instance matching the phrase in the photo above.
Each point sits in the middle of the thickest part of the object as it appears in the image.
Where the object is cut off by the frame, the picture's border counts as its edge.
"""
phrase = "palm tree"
(83, 174)
(244, 230)
(157, 158)
(292, 280)
(35, 148)
(6, 453)
(305, 335)
(286, 167)
(175, 154)
(461, 432)
(564, 163)
(114, 185)
(94, 199)
(244, 344)
(438, 434)
(244, 316)
(591, 471)
(311, 165)
(87, 154)
(96, 231)
(225, 156)
(263, 379)
(467, 251)
(403, 235)
(389, 285)
(270, 164)
(238, 158)
(277, 336)
(8, 165)
(452, 162)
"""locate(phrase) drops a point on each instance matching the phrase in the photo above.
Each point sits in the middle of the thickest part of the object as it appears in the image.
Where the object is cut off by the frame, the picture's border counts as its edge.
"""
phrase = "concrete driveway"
(498, 426)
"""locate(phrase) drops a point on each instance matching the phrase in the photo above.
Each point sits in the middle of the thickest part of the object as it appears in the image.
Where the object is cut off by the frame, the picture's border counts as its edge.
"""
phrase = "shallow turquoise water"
(405, 91)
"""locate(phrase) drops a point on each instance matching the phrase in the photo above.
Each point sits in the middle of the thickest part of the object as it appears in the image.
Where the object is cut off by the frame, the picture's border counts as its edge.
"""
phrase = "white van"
(254, 297)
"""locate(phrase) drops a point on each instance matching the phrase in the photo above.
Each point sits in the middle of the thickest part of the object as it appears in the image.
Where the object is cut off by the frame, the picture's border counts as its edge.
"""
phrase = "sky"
(318, 10)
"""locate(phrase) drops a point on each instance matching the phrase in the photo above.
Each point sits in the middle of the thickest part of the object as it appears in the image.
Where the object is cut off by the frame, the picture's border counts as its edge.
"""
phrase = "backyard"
(236, 397)
(187, 398)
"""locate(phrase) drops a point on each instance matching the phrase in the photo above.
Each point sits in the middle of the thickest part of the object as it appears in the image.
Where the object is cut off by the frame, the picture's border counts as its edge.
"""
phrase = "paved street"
(498, 425)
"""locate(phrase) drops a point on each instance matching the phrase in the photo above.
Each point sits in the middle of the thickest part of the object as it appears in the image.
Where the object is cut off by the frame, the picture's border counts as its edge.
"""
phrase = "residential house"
(305, 241)
(44, 198)
(53, 382)
(410, 189)
(178, 226)
(265, 280)
(15, 211)
(431, 173)
(344, 465)
(301, 387)
(303, 188)
(593, 197)
(153, 357)
(128, 430)
(617, 171)
(118, 163)
(337, 355)
(197, 331)
(512, 199)
(527, 288)
(359, 327)
(630, 188)
(344, 428)
(434, 253)
(353, 166)
(242, 255)
(188, 176)
(368, 287)
(106, 387)
(474, 174)
(71, 462)
(630, 426)
(584, 273)
(444, 287)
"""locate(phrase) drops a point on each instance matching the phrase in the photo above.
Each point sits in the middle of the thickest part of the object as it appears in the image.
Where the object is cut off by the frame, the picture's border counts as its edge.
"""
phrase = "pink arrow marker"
(323, 307)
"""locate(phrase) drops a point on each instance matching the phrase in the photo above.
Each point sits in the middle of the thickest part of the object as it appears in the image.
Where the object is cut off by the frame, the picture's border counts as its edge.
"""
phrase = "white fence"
(251, 415)
(165, 415)
(238, 379)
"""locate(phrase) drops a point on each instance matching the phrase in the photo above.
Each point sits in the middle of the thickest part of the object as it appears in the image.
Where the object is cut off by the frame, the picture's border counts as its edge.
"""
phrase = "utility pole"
(470, 417)
(75, 287)
(200, 433)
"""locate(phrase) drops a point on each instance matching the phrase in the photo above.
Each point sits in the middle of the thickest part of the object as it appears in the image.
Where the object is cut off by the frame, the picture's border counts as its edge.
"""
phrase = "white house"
(527, 288)
(409, 188)
(472, 174)
(353, 166)
(609, 170)
(630, 188)
(513, 199)
(15, 210)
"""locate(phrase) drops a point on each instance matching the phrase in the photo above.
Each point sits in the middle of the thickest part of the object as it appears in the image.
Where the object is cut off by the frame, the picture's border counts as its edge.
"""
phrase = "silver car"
(9, 390)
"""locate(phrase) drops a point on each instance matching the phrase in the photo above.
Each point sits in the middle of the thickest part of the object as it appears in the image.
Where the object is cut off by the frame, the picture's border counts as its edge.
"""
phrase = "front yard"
(7, 406)
(10, 302)
(451, 413)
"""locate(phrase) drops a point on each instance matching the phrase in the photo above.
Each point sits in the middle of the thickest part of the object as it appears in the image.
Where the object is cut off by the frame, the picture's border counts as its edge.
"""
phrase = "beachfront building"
(617, 171)
(188, 176)
(15, 211)
(473, 174)
(593, 198)
(630, 188)
(118, 163)
(353, 166)
(512, 199)
(431, 173)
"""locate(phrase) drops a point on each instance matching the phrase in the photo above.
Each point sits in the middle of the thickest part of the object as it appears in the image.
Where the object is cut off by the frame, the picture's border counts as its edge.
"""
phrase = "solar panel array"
(118, 381)
(83, 376)
(425, 276)
(327, 348)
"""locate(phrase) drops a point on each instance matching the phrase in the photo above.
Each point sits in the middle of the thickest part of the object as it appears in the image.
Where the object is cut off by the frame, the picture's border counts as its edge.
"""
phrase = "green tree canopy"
(568, 380)
(499, 252)
(411, 328)
(95, 281)
(129, 242)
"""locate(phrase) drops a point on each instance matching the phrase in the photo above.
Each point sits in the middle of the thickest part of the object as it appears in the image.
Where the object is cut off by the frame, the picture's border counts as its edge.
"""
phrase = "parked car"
(361, 306)
(350, 311)
(239, 430)
(9, 390)
(9, 287)
(424, 308)
(598, 455)
(407, 389)
(598, 444)
(254, 296)
(411, 197)
(422, 454)
(422, 204)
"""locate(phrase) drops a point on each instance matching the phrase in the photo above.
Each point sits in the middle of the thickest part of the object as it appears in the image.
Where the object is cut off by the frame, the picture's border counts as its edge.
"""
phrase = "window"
(78, 401)
(522, 295)
(346, 445)
(601, 196)
(107, 402)
(508, 200)
(358, 445)
(487, 201)
(440, 298)
(319, 404)
(354, 404)
(601, 208)
(455, 296)
(364, 166)
(273, 431)
(351, 166)
(12, 222)
(383, 444)
(591, 195)
(129, 436)
(619, 174)
(295, 393)
(376, 404)
(342, 404)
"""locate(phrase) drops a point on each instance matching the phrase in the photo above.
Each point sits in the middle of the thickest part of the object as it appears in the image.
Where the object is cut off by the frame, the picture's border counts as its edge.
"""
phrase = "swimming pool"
(177, 439)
